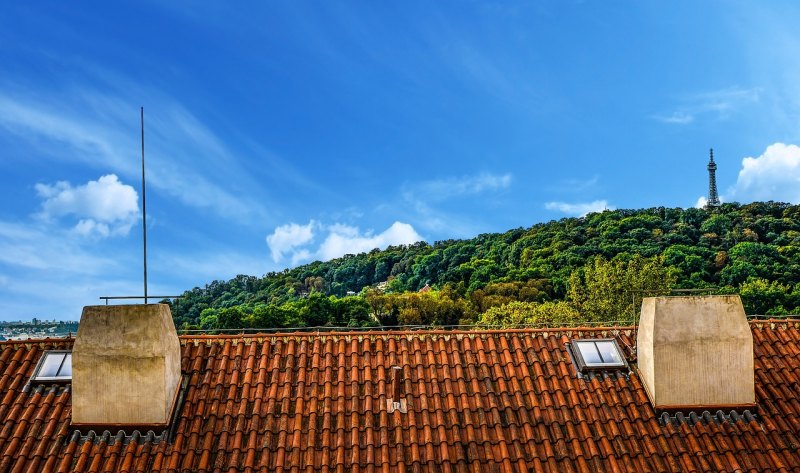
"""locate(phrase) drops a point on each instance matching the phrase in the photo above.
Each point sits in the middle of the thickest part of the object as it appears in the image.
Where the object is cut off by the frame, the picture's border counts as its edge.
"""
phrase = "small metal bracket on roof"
(399, 405)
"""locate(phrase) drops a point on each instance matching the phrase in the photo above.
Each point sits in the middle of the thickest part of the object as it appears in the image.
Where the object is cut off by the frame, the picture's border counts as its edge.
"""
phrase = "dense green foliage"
(613, 290)
(601, 264)
(548, 314)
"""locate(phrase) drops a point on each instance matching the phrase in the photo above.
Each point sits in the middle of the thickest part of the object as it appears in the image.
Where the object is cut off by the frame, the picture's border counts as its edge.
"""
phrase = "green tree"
(517, 313)
(763, 297)
(611, 291)
(209, 319)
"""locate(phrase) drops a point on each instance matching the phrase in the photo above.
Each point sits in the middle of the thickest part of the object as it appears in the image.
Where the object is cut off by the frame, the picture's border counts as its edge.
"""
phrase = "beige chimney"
(696, 353)
(126, 366)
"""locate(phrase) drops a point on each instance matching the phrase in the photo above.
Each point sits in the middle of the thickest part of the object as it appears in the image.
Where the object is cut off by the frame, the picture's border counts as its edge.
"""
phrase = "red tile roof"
(477, 401)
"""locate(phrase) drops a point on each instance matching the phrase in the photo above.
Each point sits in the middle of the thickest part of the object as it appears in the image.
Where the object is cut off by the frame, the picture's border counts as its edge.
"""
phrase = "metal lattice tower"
(713, 198)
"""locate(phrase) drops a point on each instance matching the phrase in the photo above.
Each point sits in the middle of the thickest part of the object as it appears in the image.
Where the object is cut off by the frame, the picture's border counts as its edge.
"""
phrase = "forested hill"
(753, 249)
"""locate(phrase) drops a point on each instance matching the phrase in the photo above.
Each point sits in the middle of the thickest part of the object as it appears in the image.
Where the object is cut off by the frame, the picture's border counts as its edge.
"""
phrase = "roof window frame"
(36, 378)
(584, 366)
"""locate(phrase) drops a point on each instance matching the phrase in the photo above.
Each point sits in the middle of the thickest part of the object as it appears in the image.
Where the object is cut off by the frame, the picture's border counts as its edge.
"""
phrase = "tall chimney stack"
(696, 353)
(126, 366)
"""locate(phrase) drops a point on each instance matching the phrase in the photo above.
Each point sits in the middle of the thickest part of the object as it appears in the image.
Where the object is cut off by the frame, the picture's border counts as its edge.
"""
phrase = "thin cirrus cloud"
(95, 129)
(677, 117)
(297, 241)
(425, 199)
(105, 207)
(578, 209)
(452, 187)
(718, 104)
(39, 247)
(574, 185)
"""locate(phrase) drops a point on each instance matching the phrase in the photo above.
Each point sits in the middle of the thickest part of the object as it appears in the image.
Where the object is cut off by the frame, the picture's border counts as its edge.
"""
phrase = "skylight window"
(599, 354)
(55, 366)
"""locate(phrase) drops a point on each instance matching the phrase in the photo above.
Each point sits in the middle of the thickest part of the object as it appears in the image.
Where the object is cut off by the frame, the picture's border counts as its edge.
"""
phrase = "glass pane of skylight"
(589, 352)
(51, 365)
(608, 352)
(601, 353)
(66, 367)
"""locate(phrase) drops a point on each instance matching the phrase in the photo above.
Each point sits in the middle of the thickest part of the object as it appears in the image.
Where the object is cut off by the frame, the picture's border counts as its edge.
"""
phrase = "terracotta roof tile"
(477, 401)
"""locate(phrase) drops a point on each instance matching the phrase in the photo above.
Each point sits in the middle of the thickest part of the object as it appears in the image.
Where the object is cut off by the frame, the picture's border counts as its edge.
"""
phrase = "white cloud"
(701, 202)
(104, 207)
(719, 104)
(578, 209)
(775, 175)
(343, 240)
(289, 236)
(339, 240)
(300, 256)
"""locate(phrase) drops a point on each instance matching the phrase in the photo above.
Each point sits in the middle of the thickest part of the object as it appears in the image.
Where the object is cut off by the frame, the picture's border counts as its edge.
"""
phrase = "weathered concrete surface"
(125, 365)
(696, 352)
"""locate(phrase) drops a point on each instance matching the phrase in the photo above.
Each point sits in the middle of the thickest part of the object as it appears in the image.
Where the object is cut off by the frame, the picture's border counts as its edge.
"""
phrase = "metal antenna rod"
(144, 213)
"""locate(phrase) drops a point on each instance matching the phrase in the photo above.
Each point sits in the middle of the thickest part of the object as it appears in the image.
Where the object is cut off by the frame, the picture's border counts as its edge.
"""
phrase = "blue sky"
(278, 133)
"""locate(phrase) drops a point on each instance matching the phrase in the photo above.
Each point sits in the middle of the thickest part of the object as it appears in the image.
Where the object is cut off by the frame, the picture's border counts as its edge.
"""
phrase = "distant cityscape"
(36, 328)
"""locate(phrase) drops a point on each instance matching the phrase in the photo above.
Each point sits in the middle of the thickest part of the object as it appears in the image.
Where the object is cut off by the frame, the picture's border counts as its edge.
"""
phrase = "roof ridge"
(384, 333)
(378, 333)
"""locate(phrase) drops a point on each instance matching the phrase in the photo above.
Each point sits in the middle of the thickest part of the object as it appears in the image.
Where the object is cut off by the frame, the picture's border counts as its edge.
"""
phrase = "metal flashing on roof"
(601, 354)
(706, 417)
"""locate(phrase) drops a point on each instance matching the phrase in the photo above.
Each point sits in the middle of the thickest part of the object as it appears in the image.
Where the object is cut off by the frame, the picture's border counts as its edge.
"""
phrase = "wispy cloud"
(324, 242)
(678, 118)
(578, 209)
(426, 200)
(574, 185)
(33, 246)
(99, 129)
(208, 264)
(461, 186)
(43, 294)
(718, 104)
(53, 272)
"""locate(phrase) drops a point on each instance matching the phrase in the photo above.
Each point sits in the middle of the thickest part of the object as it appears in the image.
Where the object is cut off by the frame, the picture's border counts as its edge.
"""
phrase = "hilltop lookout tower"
(713, 198)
